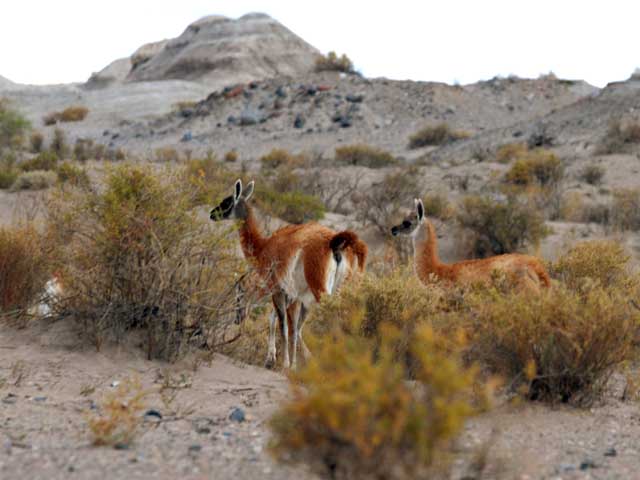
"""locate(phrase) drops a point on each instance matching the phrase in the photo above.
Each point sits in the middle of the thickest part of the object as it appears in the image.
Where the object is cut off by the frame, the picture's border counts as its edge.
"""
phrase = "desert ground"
(207, 417)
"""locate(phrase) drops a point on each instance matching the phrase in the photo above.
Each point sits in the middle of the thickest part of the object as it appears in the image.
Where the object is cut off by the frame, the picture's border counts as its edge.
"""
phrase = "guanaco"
(297, 263)
(525, 271)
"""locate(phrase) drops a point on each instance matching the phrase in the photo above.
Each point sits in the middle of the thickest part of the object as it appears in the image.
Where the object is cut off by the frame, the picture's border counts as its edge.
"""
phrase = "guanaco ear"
(248, 191)
(238, 191)
(419, 209)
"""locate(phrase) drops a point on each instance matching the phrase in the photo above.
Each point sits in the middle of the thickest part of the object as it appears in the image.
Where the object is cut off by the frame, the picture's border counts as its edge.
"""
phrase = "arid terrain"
(249, 86)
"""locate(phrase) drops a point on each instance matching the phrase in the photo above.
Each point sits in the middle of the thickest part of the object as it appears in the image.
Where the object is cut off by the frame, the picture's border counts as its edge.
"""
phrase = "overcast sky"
(54, 41)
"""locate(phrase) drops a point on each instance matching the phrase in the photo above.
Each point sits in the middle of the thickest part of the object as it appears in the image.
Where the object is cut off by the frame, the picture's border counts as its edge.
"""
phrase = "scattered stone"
(121, 446)
(231, 120)
(237, 415)
(324, 88)
(345, 122)
(612, 452)
(187, 137)
(281, 92)
(253, 85)
(10, 399)
(195, 448)
(152, 414)
(312, 91)
(250, 117)
(187, 112)
(587, 464)
(39, 399)
(299, 121)
(354, 98)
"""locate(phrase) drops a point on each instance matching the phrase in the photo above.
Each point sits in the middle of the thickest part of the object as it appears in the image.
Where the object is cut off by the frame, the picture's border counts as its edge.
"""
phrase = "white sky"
(54, 41)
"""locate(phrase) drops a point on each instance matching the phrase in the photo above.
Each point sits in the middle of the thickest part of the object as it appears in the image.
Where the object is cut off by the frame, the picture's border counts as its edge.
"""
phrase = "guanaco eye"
(406, 224)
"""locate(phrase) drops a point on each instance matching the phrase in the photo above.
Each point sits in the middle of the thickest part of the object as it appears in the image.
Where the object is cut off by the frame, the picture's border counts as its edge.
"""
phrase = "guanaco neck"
(251, 239)
(425, 248)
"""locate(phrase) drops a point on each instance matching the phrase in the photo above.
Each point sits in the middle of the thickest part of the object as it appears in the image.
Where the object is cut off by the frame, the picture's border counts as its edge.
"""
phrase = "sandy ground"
(49, 385)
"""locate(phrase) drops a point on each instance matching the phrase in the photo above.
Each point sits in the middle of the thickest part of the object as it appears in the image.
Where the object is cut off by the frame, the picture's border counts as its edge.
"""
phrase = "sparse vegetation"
(511, 151)
(592, 174)
(625, 211)
(332, 63)
(13, 126)
(166, 154)
(8, 171)
(231, 156)
(280, 158)
(59, 143)
(364, 156)
(36, 141)
(436, 205)
(292, 206)
(539, 166)
(440, 134)
(500, 226)
(620, 135)
(73, 175)
(120, 416)
(44, 161)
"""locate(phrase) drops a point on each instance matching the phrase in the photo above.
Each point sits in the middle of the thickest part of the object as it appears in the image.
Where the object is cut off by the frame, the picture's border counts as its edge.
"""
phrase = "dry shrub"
(166, 154)
(592, 174)
(625, 210)
(539, 166)
(137, 257)
(354, 415)
(13, 126)
(440, 134)
(437, 205)
(206, 178)
(231, 156)
(291, 206)
(71, 174)
(619, 136)
(280, 158)
(44, 161)
(603, 262)
(499, 227)
(332, 63)
(561, 345)
(59, 143)
(364, 156)
(36, 141)
(121, 415)
(25, 267)
(511, 151)
(34, 180)
(379, 204)
(75, 113)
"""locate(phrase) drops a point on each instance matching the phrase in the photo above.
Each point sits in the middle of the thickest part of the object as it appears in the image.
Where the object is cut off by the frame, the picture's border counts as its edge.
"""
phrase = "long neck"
(425, 248)
(251, 238)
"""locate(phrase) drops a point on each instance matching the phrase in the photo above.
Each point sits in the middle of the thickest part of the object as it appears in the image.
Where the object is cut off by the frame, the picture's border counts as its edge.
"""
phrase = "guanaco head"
(410, 224)
(234, 206)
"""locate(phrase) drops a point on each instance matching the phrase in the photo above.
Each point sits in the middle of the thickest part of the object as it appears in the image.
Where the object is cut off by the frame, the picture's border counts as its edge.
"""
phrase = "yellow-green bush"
(44, 161)
(436, 205)
(231, 156)
(73, 175)
(539, 166)
(332, 63)
(13, 126)
(440, 134)
(364, 156)
(560, 345)
(59, 143)
(292, 206)
(166, 154)
(136, 255)
(500, 226)
(75, 113)
(592, 174)
(354, 415)
(605, 262)
(25, 267)
(8, 171)
(207, 179)
(511, 151)
(36, 141)
(619, 136)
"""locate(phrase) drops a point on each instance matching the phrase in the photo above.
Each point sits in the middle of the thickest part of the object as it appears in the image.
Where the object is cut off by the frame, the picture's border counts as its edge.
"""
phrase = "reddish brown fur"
(524, 270)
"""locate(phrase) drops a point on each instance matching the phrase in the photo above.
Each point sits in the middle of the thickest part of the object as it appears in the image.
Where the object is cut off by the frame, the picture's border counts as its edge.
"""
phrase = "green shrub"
(436, 205)
(539, 167)
(59, 143)
(25, 267)
(332, 63)
(70, 114)
(592, 174)
(13, 126)
(364, 156)
(440, 134)
(207, 179)
(34, 180)
(166, 154)
(83, 149)
(73, 175)
(294, 207)
(625, 211)
(500, 226)
(558, 346)
(44, 161)
(137, 256)
(353, 414)
(231, 156)
(8, 171)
